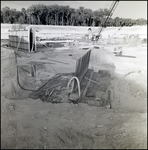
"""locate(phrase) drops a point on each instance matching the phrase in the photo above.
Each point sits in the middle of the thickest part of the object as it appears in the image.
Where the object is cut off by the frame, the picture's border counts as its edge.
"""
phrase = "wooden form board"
(81, 67)
(27, 39)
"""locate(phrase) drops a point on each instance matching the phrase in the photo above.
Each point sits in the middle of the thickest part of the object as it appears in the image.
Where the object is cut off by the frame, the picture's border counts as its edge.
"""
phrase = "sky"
(125, 9)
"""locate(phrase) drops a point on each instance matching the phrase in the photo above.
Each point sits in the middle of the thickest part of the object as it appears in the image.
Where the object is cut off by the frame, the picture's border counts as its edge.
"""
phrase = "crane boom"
(111, 10)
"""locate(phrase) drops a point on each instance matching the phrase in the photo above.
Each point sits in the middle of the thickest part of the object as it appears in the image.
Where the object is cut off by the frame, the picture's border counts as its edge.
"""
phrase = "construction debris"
(104, 72)
(59, 61)
(73, 97)
(118, 55)
(92, 80)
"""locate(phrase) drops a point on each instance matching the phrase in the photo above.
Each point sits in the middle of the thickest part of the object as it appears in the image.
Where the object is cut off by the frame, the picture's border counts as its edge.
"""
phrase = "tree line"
(64, 15)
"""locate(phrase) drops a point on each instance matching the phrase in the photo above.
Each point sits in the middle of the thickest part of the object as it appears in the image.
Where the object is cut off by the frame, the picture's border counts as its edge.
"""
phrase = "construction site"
(73, 87)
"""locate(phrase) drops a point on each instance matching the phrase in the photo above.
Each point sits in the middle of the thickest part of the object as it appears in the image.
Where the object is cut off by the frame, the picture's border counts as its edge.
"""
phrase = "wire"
(18, 77)
(15, 52)
(112, 8)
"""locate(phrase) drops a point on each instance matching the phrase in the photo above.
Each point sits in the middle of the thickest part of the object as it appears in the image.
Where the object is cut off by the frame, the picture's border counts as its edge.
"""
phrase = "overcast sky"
(125, 9)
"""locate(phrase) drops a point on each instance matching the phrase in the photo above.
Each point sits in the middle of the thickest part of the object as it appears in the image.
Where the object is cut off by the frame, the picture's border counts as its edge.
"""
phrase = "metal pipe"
(78, 83)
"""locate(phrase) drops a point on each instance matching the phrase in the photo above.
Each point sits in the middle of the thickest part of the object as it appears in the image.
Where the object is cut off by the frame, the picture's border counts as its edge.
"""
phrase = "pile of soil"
(9, 82)
(30, 124)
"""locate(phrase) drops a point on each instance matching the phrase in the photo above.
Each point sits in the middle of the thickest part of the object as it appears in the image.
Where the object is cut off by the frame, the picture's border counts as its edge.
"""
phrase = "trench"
(113, 91)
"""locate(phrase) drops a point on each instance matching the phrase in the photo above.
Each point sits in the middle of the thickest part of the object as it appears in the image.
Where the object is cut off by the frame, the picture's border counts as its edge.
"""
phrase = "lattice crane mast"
(111, 10)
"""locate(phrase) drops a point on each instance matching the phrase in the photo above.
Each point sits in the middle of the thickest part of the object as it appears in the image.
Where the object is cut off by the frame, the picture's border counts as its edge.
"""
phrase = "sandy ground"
(33, 124)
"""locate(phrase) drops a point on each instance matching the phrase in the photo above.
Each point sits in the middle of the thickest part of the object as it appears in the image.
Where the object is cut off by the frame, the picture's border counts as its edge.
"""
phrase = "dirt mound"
(9, 83)
(32, 124)
(102, 56)
(127, 94)
(101, 59)
(120, 31)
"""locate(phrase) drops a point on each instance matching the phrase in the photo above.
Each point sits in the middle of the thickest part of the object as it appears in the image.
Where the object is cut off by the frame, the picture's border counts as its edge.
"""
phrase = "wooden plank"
(91, 80)
(88, 84)
(77, 73)
(125, 56)
(84, 65)
(17, 42)
(77, 62)
(80, 71)
(18, 45)
(59, 61)
(78, 68)
(81, 67)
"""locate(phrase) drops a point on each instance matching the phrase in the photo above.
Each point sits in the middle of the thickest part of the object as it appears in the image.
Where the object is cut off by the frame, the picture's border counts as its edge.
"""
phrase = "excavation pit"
(124, 93)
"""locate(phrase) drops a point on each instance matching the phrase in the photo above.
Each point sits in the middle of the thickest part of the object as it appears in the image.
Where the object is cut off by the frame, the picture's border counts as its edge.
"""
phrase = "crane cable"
(109, 15)
(112, 8)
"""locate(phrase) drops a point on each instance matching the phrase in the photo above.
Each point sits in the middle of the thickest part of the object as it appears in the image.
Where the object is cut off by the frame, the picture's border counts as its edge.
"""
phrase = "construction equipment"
(97, 33)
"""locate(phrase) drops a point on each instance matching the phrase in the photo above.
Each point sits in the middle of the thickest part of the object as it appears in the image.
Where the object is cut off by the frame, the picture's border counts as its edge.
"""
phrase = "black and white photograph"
(74, 74)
